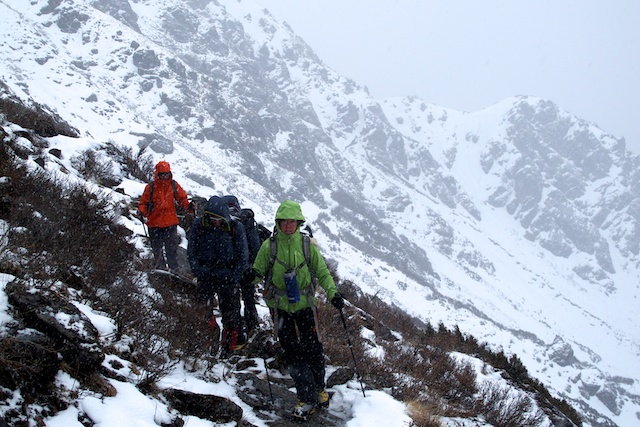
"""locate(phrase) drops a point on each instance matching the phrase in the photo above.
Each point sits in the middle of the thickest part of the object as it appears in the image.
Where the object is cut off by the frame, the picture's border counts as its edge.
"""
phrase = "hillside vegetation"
(62, 241)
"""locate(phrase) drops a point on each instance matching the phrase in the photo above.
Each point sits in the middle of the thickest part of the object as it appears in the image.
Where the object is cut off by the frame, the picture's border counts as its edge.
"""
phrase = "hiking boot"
(252, 328)
(241, 341)
(303, 410)
(228, 351)
(239, 346)
(323, 398)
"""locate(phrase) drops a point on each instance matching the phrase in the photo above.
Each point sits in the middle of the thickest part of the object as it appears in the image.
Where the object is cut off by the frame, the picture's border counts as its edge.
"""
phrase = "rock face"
(67, 330)
(275, 398)
(51, 335)
(205, 406)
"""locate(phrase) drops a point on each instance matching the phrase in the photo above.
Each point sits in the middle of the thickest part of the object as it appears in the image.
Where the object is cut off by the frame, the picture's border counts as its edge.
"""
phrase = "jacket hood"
(289, 210)
(218, 206)
(161, 167)
(233, 204)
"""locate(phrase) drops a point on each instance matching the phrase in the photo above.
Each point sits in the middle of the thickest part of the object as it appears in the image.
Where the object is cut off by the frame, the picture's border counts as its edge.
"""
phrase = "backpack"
(263, 232)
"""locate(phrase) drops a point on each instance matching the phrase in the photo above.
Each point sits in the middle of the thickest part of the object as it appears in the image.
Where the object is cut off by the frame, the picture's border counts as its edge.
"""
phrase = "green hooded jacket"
(290, 253)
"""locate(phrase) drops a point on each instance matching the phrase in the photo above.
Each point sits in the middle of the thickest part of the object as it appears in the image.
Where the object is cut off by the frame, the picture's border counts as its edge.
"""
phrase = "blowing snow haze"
(467, 55)
(519, 223)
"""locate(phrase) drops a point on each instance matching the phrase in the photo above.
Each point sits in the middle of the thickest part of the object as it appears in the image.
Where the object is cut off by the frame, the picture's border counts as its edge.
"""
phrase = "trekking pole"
(144, 226)
(355, 364)
(266, 369)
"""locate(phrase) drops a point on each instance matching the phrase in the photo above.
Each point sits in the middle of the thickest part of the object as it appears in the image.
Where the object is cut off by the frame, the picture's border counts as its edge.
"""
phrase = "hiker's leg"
(312, 350)
(157, 242)
(294, 356)
(288, 337)
(229, 303)
(306, 389)
(171, 243)
(250, 312)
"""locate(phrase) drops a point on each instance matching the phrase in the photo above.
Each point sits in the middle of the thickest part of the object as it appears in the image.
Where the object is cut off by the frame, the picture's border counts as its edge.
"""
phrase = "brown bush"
(68, 230)
(502, 408)
(137, 165)
(96, 169)
(44, 123)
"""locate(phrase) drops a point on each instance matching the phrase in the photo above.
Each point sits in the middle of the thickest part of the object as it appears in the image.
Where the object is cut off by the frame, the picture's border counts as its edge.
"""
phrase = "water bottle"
(291, 282)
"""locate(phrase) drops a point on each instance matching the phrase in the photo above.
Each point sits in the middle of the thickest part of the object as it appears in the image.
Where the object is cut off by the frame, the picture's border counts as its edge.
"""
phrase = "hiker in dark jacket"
(247, 288)
(157, 207)
(294, 307)
(217, 253)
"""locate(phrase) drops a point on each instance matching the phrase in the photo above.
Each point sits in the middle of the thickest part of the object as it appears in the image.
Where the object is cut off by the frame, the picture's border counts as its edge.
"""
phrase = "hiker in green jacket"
(290, 295)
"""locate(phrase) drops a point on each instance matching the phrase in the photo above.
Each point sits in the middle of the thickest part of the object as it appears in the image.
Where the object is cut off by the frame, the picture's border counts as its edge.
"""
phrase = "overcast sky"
(584, 55)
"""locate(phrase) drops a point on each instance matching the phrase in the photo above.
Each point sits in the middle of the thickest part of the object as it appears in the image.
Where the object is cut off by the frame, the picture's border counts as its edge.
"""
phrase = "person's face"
(164, 175)
(288, 226)
(211, 220)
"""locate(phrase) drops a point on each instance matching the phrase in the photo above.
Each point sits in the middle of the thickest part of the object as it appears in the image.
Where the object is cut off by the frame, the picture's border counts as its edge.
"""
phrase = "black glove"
(337, 301)
(141, 216)
(249, 275)
(191, 209)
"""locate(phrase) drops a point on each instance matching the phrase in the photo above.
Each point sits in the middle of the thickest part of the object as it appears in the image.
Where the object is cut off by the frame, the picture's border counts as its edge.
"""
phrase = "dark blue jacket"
(246, 216)
(217, 254)
(251, 230)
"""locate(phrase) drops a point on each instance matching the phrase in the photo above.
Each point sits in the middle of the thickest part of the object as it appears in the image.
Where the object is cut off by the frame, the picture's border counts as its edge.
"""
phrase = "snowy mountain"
(518, 223)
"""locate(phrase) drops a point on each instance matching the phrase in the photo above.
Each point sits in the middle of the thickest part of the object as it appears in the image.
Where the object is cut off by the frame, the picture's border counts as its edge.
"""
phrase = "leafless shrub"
(453, 380)
(138, 165)
(334, 336)
(95, 168)
(186, 328)
(68, 230)
(163, 325)
(410, 370)
(29, 363)
(503, 408)
(43, 122)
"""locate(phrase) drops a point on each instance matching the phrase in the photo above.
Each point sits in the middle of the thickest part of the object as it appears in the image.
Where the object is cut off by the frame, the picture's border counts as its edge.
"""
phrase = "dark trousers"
(251, 318)
(229, 304)
(303, 352)
(164, 244)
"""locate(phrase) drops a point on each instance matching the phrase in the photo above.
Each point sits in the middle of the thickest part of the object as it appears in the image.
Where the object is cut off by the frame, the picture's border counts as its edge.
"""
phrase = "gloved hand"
(191, 209)
(249, 275)
(337, 301)
(141, 216)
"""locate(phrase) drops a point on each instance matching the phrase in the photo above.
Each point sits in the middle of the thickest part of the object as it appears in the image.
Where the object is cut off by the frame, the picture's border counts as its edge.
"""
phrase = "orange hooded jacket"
(163, 213)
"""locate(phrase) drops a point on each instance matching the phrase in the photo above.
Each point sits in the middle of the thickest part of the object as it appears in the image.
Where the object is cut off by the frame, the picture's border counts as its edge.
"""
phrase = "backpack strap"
(174, 185)
(273, 247)
(306, 250)
(273, 257)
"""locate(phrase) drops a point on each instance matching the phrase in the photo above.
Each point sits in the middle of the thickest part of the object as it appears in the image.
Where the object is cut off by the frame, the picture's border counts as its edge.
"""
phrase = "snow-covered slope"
(519, 223)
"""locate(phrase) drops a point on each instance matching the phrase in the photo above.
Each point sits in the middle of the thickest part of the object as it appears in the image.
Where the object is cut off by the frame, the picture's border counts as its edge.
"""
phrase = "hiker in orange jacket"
(158, 208)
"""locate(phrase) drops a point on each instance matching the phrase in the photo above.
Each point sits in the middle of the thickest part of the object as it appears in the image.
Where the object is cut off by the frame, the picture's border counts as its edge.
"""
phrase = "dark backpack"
(263, 232)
